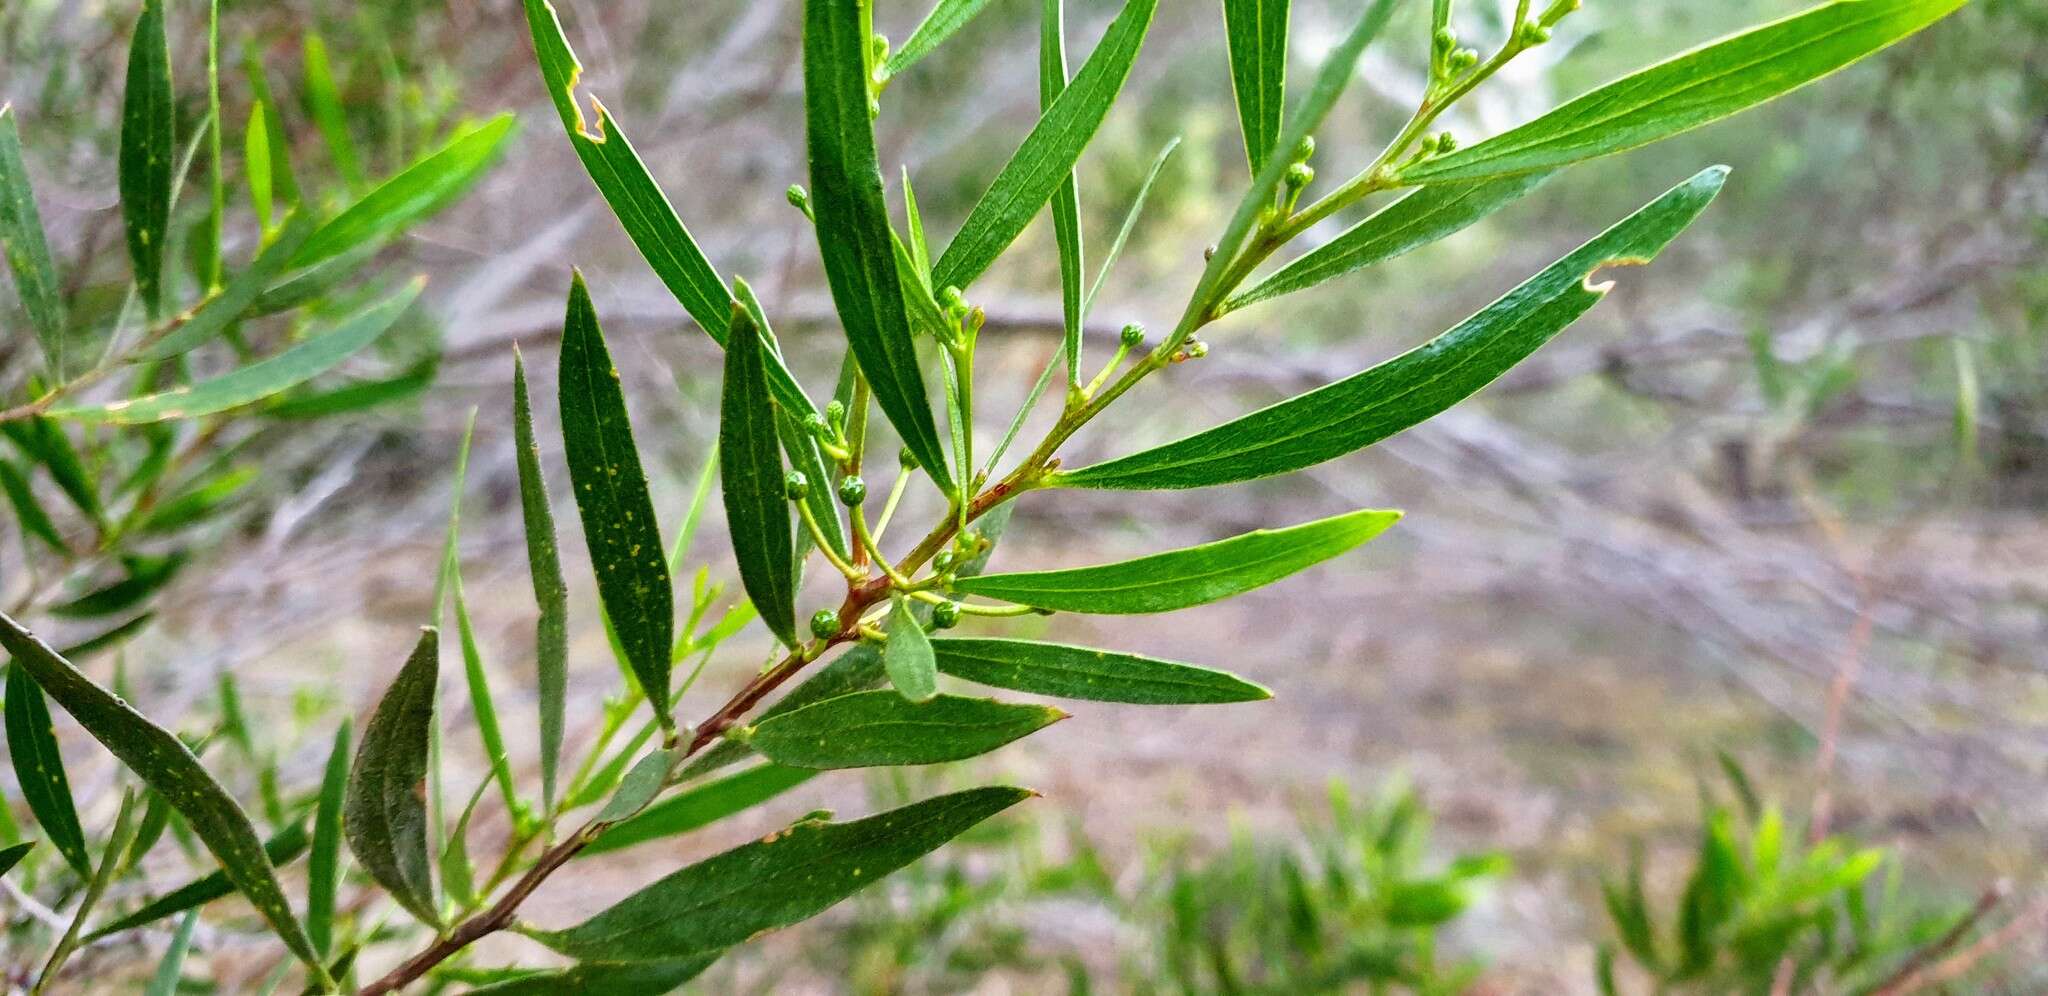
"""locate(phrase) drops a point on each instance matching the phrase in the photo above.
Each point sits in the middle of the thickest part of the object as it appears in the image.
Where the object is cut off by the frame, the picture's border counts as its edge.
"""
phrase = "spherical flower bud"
(795, 486)
(824, 624)
(1133, 335)
(1306, 149)
(852, 490)
(906, 458)
(835, 412)
(1300, 175)
(946, 615)
(943, 562)
(1445, 39)
(798, 197)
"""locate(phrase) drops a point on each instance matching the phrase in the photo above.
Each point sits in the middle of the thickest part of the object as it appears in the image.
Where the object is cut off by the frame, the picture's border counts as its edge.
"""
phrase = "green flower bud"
(852, 490)
(835, 413)
(795, 486)
(906, 458)
(1463, 60)
(1306, 149)
(1445, 142)
(1133, 335)
(1300, 175)
(952, 299)
(946, 615)
(798, 197)
(1445, 40)
(824, 624)
(943, 562)
(814, 423)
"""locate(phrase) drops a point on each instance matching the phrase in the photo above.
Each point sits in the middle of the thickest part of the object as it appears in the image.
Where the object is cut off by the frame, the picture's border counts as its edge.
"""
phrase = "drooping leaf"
(213, 315)
(611, 496)
(1066, 200)
(1358, 411)
(258, 380)
(1085, 673)
(701, 806)
(1257, 33)
(27, 250)
(162, 761)
(853, 227)
(323, 868)
(907, 655)
(622, 179)
(550, 591)
(148, 152)
(628, 978)
(39, 769)
(1047, 156)
(1192, 576)
(282, 848)
(12, 854)
(1706, 84)
(420, 190)
(783, 879)
(873, 729)
(1410, 223)
(384, 811)
(946, 17)
(750, 466)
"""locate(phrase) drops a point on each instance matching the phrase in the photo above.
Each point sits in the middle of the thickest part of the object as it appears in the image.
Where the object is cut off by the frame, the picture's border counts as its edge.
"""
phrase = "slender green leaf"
(422, 189)
(853, 227)
(1358, 411)
(171, 970)
(458, 872)
(276, 140)
(39, 769)
(144, 576)
(628, 978)
(907, 655)
(323, 100)
(256, 166)
(323, 868)
(384, 812)
(642, 782)
(550, 591)
(1257, 34)
(12, 854)
(1123, 232)
(878, 728)
(118, 841)
(1066, 201)
(358, 395)
(162, 761)
(750, 466)
(27, 250)
(44, 441)
(946, 17)
(1193, 576)
(148, 151)
(783, 879)
(483, 705)
(701, 806)
(199, 502)
(622, 179)
(1047, 156)
(1410, 223)
(213, 316)
(611, 495)
(1085, 673)
(1703, 85)
(282, 848)
(795, 411)
(258, 380)
(28, 512)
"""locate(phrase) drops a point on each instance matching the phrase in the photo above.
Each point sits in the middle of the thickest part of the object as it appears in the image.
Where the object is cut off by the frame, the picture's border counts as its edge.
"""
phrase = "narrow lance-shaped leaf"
(1193, 576)
(1340, 418)
(39, 769)
(483, 705)
(946, 17)
(385, 812)
(323, 867)
(162, 761)
(795, 412)
(1047, 156)
(780, 880)
(148, 149)
(622, 179)
(1706, 84)
(323, 99)
(282, 848)
(1085, 673)
(256, 164)
(12, 854)
(750, 466)
(1414, 221)
(853, 227)
(28, 511)
(212, 316)
(611, 496)
(423, 188)
(882, 727)
(701, 806)
(1066, 201)
(27, 249)
(1123, 232)
(1257, 33)
(605, 978)
(171, 970)
(550, 591)
(258, 380)
(907, 655)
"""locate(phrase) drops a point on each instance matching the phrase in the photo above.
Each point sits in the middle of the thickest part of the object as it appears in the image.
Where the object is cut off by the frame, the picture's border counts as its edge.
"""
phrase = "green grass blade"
(148, 151)
(1257, 34)
(750, 462)
(323, 867)
(418, 191)
(1066, 201)
(550, 591)
(384, 811)
(1086, 673)
(39, 769)
(23, 242)
(946, 17)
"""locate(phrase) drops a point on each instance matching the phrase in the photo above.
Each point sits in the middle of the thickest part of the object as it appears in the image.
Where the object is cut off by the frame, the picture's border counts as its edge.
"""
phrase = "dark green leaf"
(282, 848)
(27, 249)
(199, 502)
(145, 576)
(643, 781)
(43, 441)
(148, 151)
(1083, 673)
(783, 879)
(794, 409)
(907, 655)
(213, 315)
(550, 591)
(1358, 411)
(878, 728)
(853, 226)
(628, 978)
(258, 380)
(39, 769)
(385, 811)
(422, 189)
(701, 806)
(750, 467)
(1413, 221)
(1257, 32)
(1047, 156)
(1193, 576)
(323, 868)
(1706, 84)
(163, 762)
(12, 854)
(623, 181)
(1066, 201)
(358, 395)
(946, 17)
(28, 512)
(611, 495)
